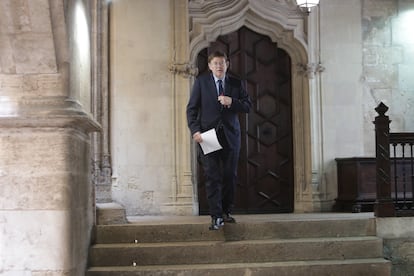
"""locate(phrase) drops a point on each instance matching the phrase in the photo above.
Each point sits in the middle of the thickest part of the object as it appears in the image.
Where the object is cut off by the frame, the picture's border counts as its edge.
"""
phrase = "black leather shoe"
(228, 218)
(216, 223)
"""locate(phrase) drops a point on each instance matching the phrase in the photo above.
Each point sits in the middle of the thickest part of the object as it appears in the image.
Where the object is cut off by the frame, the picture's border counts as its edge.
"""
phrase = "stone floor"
(246, 218)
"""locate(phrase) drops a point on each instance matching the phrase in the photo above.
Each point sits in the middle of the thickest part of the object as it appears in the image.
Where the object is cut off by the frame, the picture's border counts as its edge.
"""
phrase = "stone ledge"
(110, 213)
(46, 112)
(81, 122)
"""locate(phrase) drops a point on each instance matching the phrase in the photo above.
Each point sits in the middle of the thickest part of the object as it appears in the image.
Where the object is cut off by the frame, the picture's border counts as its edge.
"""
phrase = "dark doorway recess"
(265, 174)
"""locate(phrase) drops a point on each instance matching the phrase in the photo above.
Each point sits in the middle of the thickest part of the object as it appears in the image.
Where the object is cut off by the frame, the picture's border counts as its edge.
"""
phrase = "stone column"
(182, 196)
(102, 169)
(46, 196)
(314, 69)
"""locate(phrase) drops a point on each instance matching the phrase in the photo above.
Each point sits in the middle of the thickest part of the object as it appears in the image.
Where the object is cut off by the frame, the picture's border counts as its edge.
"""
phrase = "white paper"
(210, 142)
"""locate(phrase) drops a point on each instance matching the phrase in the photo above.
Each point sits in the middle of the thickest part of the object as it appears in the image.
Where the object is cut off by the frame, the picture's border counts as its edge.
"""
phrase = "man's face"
(218, 66)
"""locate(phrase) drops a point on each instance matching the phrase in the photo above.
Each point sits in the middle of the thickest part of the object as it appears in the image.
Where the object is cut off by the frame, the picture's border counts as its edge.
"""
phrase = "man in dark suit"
(215, 101)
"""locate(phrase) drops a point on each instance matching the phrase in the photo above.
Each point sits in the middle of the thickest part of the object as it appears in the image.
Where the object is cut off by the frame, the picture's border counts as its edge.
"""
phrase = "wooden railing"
(395, 168)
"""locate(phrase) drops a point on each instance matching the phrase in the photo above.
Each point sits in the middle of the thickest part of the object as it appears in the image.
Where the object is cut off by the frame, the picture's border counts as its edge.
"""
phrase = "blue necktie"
(220, 87)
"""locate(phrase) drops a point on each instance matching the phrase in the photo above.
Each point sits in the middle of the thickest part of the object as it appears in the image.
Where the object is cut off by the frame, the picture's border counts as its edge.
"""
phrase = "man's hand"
(197, 137)
(225, 101)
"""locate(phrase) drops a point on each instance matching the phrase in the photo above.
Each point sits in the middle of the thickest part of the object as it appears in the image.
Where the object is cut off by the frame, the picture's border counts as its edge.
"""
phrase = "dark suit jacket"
(204, 111)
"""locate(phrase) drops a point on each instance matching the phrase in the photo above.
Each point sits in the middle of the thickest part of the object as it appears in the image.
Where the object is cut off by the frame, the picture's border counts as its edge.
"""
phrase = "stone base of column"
(110, 213)
(316, 205)
(47, 200)
(103, 193)
(184, 206)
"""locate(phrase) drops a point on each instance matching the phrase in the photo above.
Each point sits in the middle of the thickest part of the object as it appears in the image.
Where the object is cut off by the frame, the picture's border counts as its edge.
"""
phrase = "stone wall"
(398, 235)
(341, 90)
(388, 63)
(367, 52)
(145, 136)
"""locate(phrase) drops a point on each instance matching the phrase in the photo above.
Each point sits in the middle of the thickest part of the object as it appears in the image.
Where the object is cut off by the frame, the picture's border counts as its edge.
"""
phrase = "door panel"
(265, 173)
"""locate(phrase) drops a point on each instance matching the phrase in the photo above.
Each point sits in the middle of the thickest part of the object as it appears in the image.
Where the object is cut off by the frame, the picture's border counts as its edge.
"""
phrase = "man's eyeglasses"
(217, 63)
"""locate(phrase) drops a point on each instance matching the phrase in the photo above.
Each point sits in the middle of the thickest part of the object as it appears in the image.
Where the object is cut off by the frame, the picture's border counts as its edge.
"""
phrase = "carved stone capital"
(184, 69)
(310, 69)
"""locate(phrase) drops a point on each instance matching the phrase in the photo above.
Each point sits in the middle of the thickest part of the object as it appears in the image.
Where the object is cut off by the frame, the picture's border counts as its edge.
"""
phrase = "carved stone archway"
(281, 21)
(195, 24)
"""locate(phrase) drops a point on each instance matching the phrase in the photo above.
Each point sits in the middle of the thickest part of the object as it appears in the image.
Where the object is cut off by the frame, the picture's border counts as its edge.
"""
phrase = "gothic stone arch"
(280, 21)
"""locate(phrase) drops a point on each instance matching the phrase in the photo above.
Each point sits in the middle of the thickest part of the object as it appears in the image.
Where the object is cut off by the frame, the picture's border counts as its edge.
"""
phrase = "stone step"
(363, 267)
(315, 244)
(243, 251)
(290, 229)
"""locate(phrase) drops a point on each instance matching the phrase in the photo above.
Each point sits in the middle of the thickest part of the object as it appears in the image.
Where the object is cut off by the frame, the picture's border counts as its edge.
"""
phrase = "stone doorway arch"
(280, 21)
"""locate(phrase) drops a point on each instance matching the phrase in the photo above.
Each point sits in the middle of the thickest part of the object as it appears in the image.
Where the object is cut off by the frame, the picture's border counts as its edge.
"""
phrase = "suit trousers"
(220, 169)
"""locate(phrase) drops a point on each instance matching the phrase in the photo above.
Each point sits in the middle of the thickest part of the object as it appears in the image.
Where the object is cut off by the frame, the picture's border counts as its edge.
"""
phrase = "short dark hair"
(217, 54)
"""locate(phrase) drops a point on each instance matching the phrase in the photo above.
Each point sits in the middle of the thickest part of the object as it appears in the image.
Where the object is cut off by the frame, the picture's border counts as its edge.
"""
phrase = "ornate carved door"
(265, 172)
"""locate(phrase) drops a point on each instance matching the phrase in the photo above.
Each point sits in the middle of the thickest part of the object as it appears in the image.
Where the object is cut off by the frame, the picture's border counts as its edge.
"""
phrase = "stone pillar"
(102, 169)
(182, 190)
(320, 197)
(46, 196)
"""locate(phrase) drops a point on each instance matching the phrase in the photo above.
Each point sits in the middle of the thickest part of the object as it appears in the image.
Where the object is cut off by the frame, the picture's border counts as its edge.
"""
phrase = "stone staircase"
(277, 247)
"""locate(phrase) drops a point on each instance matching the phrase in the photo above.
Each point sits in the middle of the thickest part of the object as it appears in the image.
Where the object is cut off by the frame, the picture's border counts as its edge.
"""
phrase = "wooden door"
(265, 173)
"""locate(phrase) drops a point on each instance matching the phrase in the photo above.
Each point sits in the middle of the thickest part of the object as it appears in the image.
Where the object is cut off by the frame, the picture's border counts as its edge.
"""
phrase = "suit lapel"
(227, 86)
(211, 86)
